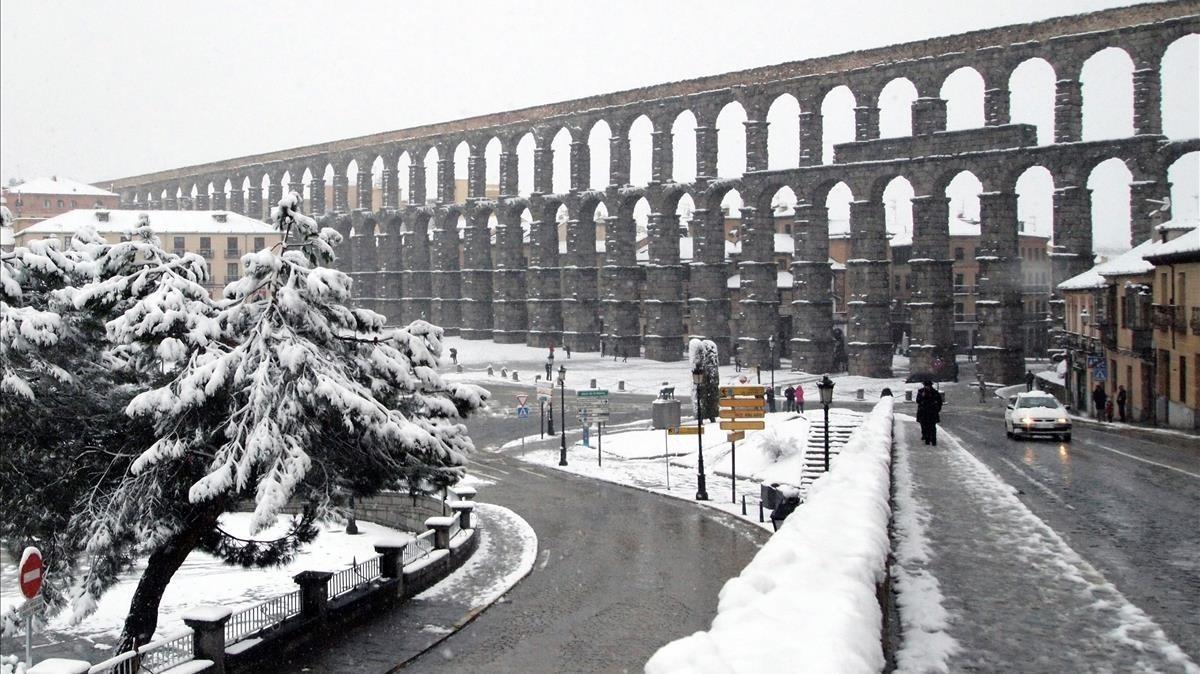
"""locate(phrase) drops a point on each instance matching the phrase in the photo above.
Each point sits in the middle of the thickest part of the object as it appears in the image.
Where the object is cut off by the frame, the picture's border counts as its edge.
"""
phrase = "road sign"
(1100, 372)
(31, 572)
(522, 412)
(756, 403)
(592, 393)
(735, 436)
(30, 608)
(730, 391)
(521, 398)
(742, 414)
(743, 425)
(686, 430)
(544, 391)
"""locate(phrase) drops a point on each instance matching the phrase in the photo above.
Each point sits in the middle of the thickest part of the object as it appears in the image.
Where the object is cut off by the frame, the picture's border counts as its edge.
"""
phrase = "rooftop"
(161, 222)
(56, 185)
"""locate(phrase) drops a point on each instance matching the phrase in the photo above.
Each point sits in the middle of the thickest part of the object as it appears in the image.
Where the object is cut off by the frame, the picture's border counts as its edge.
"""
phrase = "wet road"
(619, 572)
(1127, 501)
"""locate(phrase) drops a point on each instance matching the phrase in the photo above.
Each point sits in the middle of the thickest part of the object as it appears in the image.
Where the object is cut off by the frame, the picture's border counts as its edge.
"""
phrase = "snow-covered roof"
(1188, 242)
(56, 185)
(161, 222)
(1130, 263)
(1178, 224)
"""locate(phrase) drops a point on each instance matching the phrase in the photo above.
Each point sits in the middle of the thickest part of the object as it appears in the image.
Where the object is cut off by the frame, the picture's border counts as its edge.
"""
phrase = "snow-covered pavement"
(984, 584)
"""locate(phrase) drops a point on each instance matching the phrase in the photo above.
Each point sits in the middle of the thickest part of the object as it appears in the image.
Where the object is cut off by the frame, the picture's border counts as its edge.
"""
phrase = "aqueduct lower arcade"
(460, 260)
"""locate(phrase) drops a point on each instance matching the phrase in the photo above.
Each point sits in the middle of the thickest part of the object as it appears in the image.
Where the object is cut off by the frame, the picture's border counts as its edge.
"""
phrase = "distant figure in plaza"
(549, 365)
(1099, 397)
(929, 405)
(800, 398)
(789, 399)
(602, 348)
(567, 348)
(770, 398)
(1108, 410)
(1029, 380)
(624, 356)
(1122, 398)
(983, 387)
(454, 355)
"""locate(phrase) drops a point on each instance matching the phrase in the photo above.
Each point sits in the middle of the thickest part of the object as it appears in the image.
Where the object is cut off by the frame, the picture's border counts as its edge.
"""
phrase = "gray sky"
(100, 90)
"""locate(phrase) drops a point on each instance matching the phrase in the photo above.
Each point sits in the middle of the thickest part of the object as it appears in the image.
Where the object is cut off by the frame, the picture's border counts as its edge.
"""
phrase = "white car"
(1036, 413)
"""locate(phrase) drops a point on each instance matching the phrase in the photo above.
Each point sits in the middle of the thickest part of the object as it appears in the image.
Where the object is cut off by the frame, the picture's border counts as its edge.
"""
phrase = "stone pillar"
(869, 288)
(543, 168)
(476, 174)
(366, 191)
(477, 279)
(1001, 345)
(1072, 251)
(201, 202)
(621, 283)
(618, 157)
(274, 194)
(445, 169)
(445, 280)
(759, 288)
(1147, 94)
(296, 183)
(662, 152)
(581, 294)
(508, 173)
(366, 261)
(931, 305)
(928, 116)
(706, 144)
(708, 301)
(756, 144)
(812, 283)
(581, 166)
(1068, 109)
(441, 527)
(316, 196)
(208, 634)
(544, 299)
(463, 511)
(237, 198)
(510, 320)
(811, 149)
(391, 564)
(417, 282)
(314, 593)
(341, 188)
(866, 121)
(416, 184)
(254, 200)
(171, 201)
(1142, 209)
(388, 255)
(218, 198)
(391, 185)
(662, 306)
(996, 100)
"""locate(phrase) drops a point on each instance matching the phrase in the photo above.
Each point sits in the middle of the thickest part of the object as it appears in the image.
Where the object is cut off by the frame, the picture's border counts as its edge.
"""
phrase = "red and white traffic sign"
(521, 398)
(31, 571)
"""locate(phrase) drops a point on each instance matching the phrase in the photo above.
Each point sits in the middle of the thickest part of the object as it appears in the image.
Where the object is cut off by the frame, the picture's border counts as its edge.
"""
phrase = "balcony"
(964, 289)
(1035, 288)
(965, 318)
(1196, 320)
(232, 253)
(1172, 317)
(206, 253)
(179, 251)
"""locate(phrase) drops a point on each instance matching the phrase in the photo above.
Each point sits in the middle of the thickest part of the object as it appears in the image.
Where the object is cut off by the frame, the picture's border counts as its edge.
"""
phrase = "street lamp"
(562, 411)
(698, 380)
(771, 344)
(825, 386)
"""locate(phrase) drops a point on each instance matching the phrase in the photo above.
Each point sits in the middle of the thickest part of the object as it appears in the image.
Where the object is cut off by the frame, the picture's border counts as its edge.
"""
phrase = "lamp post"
(698, 380)
(771, 344)
(825, 386)
(562, 411)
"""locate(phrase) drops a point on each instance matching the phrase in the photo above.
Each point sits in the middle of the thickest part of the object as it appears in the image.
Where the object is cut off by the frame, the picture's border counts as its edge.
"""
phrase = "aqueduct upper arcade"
(459, 260)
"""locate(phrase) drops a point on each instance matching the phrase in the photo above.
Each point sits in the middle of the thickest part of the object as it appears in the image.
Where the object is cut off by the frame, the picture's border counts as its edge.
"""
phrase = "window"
(1181, 290)
(1183, 379)
(206, 243)
(1165, 290)
(60, 203)
(958, 281)
(958, 311)
(231, 271)
(180, 243)
(1124, 315)
(958, 253)
(45, 203)
(896, 282)
(260, 242)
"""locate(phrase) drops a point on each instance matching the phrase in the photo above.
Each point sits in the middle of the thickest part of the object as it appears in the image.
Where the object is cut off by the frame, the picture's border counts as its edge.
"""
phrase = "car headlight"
(1027, 420)
(1062, 420)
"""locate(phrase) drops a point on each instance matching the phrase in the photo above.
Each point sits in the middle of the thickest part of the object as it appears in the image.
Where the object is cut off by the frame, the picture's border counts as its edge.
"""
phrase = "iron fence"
(350, 578)
(417, 548)
(154, 657)
(261, 617)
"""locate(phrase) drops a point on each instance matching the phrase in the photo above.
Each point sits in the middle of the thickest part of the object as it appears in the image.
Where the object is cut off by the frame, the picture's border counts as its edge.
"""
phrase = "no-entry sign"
(31, 572)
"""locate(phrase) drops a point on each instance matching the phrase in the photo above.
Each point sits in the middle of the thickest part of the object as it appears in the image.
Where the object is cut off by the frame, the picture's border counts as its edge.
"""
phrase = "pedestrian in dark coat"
(1029, 380)
(1122, 399)
(789, 399)
(1099, 397)
(929, 407)
(770, 398)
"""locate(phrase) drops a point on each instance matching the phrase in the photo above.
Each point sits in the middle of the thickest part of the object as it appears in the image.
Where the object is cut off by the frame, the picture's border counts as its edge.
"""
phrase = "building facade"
(36, 200)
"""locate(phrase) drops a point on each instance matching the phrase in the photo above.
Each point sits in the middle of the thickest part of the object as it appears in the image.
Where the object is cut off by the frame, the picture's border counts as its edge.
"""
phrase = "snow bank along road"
(1127, 502)
(619, 572)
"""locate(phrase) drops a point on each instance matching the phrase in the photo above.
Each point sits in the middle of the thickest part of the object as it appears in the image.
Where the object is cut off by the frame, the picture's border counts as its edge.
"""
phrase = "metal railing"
(154, 657)
(206, 252)
(962, 289)
(417, 548)
(261, 617)
(233, 252)
(353, 576)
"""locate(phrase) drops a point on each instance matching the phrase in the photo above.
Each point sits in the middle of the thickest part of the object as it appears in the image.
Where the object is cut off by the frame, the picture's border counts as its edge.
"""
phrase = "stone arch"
(1034, 187)
(837, 119)
(1183, 173)
(432, 179)
(962, 186)
(896, 192)
(783, 132)
(683, 147)
(640, 150)
(599, 136)
(963, 92)
(895, 108)
(462, 162)
(560, 146)
(1106, 79)
(731, 140)
(1181, 87)
(351, 173)
(525, 153)
(491, 166)
(1112, 223)
(1031, 87)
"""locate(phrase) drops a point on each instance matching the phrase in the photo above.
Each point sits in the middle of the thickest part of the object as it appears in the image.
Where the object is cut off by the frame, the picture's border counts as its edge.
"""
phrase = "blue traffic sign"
(522, 412)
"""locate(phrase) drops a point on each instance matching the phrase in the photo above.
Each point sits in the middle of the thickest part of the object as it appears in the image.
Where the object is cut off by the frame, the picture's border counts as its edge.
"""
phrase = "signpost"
(686, 430)
(742, 409)
(544, 391)
(30, 574)
(593, 406)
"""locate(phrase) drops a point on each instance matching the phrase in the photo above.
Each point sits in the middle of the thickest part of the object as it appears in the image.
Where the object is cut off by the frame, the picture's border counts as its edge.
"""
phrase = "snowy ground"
(204, 579)
(640, 375)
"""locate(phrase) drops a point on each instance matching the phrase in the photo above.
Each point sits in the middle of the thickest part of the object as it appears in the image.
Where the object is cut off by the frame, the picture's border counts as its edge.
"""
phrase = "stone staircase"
(842, 424)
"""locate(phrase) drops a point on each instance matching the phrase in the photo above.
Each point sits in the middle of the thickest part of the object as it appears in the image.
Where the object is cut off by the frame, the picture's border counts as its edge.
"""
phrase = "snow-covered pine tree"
(295, 396)
(702, 353)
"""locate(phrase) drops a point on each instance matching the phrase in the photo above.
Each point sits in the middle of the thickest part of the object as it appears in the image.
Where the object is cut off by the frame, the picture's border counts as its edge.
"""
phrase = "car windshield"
(1037, 401)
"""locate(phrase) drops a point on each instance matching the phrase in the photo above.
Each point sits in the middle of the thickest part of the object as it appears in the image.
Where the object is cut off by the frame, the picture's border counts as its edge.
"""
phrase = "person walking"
(624, 355)
(1029, 380)
(929, 405)
(800, 398)
(770, 398)
(1122, 399)
(1099, 397)
(567, 348)
(454, 355)
(789, 399)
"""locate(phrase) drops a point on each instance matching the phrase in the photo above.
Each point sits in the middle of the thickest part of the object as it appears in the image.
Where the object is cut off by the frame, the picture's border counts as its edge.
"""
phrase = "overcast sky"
(99, 90)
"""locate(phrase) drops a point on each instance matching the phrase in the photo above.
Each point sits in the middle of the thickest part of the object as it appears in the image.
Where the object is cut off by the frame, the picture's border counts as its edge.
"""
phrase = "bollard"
(860, 394)
(908, 395)
(515, 378)
(464, 492)
(441, 528)
(458, 368)
(743, 505)
(392, 550)
(208, 631)
(592, 384)
(621, 385)
(760, 512)
(463, 510)
(490, 372)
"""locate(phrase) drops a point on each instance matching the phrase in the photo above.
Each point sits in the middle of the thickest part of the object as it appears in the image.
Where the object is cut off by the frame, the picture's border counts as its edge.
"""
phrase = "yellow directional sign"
(743, 425)
(742, 414)
(734, 437)
(686, 430)
(757, 403)
(730, 391)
